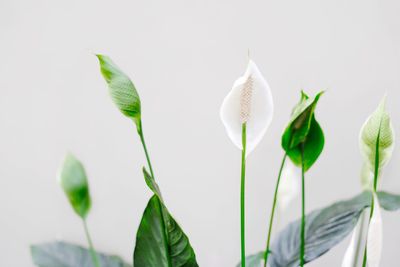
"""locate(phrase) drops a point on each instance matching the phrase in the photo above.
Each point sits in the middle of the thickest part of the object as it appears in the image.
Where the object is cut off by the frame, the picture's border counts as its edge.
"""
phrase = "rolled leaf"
(249, 101)
(62, 254)
(304, 133)
(72, 178)
(160, 242)
(376, 136)
(121, 88)
(374, 239)
(151, 183)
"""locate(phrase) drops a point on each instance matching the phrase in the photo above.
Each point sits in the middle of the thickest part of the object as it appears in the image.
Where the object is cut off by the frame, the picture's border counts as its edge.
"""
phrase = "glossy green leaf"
(72, 178)
(160, 242)
(304, 133)
(61, 254)
(376, 136)
(122, 90)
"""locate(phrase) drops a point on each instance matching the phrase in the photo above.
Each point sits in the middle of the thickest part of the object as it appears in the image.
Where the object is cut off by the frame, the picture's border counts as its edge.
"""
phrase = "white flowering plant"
(246, 113)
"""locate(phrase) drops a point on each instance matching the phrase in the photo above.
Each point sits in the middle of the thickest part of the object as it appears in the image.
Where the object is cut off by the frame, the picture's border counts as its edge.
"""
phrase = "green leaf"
(388, 201)
(324, 229)
(73, 181)
(376, 136)
(304, 133)
(61, 254)
(160, 242)
(121, 88)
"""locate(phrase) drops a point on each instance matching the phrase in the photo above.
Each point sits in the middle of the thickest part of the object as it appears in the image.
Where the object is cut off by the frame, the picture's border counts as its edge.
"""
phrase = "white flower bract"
(249, 101)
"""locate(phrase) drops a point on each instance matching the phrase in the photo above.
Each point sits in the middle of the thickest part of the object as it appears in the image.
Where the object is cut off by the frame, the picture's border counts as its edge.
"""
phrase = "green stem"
(303, 211)
(162, 211)
(93, 253)
(376, 174)
(271, 218)
(140, 132)
(242, 198)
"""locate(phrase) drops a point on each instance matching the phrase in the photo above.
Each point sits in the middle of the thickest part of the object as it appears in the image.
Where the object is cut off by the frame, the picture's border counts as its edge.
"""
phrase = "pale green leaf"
(376, 136)
(72, 178)
(122, 90)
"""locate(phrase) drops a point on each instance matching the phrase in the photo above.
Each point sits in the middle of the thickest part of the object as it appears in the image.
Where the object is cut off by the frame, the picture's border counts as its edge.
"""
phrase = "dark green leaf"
(74, 183)
(61, 254)
(304, 132)
(324, 229)
(160, 242)
(122, 90)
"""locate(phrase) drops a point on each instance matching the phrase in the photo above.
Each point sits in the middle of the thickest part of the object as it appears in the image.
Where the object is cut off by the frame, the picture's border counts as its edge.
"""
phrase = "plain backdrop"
(183, 57)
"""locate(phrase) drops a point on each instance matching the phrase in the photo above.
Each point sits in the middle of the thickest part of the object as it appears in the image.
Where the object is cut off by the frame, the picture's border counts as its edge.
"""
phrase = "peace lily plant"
(246, 113)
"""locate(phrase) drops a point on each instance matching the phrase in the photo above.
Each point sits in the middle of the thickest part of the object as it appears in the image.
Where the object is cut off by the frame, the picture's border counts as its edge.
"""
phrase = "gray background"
(183, 57)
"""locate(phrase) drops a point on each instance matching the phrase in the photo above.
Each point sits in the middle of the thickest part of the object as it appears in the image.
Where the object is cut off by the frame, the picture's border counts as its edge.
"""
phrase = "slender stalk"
(242, 198)
(163, 215)
(376, 174)
(271, 218)
(93, 253)
(141, 135)
(303, 211)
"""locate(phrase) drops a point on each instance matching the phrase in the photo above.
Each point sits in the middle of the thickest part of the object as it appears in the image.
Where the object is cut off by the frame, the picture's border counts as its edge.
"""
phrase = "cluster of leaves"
(161, 242)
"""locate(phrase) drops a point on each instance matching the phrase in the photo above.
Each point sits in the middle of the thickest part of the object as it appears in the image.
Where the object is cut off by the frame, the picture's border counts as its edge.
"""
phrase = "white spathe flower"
(355, 250)
(249, 101)
(289, 186)
(374, 240)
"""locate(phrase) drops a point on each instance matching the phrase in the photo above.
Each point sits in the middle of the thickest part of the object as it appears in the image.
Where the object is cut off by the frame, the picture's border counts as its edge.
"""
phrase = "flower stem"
(242, 198)
(303, 211)
(93, 253)
(376, 174)
(271, 218)
(140, 132)
(162, 211)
